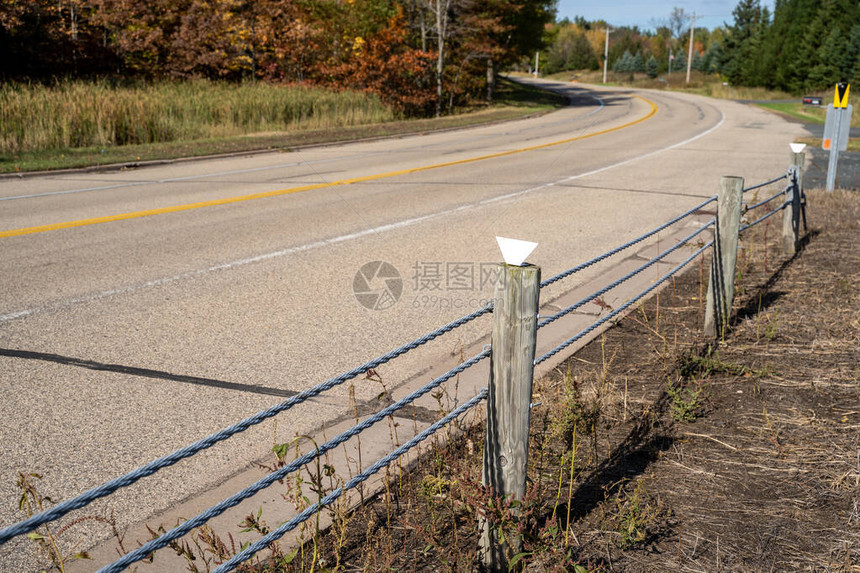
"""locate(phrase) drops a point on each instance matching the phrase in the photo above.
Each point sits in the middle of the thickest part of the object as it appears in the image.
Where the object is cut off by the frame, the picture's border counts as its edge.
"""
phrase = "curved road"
(144, 309)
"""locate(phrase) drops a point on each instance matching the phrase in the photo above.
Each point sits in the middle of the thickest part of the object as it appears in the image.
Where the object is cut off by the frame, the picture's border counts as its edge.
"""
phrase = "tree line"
(800, 45)
(579, 44)
(422, 56)
(803, 45)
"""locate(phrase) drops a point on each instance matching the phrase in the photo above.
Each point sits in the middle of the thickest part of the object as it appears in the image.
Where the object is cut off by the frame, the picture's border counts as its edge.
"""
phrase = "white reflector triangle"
(797, 147)
(515, 251)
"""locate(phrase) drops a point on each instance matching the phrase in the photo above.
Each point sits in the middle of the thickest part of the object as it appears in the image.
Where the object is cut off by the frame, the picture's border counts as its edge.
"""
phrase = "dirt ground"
(656, 449)
(765, 474)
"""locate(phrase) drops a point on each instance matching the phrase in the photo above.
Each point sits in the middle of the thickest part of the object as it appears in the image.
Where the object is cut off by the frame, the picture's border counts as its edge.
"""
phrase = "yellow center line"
(376, 177)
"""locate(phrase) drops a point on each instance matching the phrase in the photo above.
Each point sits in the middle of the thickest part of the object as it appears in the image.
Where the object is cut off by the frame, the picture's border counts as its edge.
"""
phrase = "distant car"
(811, 100)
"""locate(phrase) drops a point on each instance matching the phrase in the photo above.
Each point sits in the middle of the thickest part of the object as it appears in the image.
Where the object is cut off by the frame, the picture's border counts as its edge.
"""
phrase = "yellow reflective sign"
(840, 96)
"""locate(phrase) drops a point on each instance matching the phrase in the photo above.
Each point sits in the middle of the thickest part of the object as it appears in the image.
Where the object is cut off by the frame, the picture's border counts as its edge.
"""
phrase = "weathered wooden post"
(791, 213)
(721, 286)
(509, 400)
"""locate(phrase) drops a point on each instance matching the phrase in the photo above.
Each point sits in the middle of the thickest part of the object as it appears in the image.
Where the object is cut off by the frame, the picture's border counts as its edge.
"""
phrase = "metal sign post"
(837, 128)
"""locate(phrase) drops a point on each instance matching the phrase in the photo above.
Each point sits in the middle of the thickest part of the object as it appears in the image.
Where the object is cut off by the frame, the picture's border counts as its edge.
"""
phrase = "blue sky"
(642, 12)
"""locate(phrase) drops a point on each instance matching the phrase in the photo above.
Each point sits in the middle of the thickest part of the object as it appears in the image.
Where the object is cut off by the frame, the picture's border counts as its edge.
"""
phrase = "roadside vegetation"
(83, 78)
(80, 123)
(73, 114)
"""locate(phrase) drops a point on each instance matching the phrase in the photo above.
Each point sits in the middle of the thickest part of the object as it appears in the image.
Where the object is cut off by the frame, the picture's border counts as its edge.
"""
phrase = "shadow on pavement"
(143, 372)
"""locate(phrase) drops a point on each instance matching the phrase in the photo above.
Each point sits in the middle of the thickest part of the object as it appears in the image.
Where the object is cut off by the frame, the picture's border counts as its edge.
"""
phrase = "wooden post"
(721, 287)
(791, 213)
(509, 399)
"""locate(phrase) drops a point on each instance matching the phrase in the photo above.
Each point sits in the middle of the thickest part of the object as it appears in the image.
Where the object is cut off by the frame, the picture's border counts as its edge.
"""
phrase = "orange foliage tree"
(371, 45)
(384, 64)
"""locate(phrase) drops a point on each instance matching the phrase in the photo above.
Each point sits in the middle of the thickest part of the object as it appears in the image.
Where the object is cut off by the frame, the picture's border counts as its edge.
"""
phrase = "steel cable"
(155, 544)
(262, 543)
(113, 485)
(623, 279)
(766, 183)
(761, 219)
(766, 201)
(620, 248)
(622, 308)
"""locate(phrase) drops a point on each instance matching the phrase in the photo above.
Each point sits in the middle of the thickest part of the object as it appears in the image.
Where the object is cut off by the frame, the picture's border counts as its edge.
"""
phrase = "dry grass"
(73, 114)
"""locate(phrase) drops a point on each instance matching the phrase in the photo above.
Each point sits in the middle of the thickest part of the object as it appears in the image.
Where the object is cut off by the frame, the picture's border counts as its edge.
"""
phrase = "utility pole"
(537, 63)
(690, 55)
(606, 55)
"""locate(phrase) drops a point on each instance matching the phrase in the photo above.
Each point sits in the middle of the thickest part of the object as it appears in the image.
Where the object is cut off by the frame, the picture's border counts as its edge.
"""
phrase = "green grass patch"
(78, 124)
(806, 114)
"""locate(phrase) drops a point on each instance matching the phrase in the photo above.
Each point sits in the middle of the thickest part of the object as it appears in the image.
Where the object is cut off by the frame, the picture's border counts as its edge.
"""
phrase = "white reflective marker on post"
(515, 251)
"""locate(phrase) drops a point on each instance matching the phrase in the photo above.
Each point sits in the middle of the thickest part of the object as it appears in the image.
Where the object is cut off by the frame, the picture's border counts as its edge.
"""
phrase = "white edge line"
(338, 239)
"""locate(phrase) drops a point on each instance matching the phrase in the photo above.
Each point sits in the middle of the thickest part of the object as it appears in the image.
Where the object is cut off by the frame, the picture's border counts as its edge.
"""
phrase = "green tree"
(854, 47)
(711, 59)
(637, 64)
(652, 67)
(807, 44)
(624, 64)
(680, 63)
(741, 57)
(570, 50)
(834, 62)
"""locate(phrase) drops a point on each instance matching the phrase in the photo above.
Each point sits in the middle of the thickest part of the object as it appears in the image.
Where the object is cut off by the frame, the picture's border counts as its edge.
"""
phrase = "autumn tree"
(571, 50)
(385, 65)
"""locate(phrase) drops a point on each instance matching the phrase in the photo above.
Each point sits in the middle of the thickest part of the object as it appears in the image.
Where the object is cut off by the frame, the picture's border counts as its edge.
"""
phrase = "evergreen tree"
(854, 47)
(807, 45)
(711, 60)
(698, 62)
(740, 52)
(624, 65)
(786, 42)
(680, 63)
(637, 64)
(652, 67)
(834, 61)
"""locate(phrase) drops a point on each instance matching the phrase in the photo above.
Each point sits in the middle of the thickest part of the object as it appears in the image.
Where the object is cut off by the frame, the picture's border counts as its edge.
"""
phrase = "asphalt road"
(144, 309)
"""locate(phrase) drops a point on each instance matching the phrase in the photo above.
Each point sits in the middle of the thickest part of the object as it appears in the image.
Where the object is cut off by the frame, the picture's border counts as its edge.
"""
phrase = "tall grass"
(73, 114)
